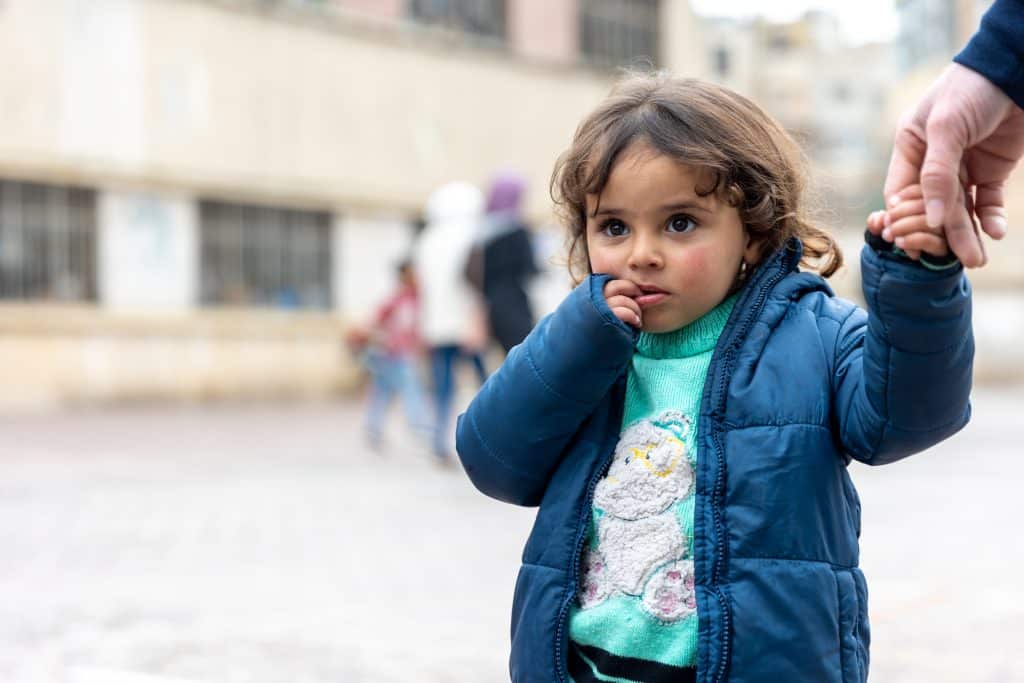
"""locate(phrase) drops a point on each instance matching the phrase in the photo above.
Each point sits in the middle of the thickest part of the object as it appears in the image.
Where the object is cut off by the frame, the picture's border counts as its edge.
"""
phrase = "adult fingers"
(907, 156)
(964, 239)
(947, 136)
(989, 206)
(946, 133)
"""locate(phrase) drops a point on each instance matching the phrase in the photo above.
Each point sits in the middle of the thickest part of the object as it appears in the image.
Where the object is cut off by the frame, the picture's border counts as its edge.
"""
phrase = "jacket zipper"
(719, 491)
(581, 536)
(718, 494)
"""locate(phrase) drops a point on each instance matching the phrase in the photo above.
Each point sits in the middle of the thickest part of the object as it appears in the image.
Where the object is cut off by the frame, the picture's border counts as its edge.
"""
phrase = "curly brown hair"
(753, 163)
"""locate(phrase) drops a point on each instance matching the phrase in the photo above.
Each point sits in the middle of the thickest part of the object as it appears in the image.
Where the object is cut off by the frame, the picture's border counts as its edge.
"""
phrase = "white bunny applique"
(641, 548)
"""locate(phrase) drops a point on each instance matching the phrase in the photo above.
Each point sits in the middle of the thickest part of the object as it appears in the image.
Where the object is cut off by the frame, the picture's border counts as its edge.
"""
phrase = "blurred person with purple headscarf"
(451, 319)
(501, 263)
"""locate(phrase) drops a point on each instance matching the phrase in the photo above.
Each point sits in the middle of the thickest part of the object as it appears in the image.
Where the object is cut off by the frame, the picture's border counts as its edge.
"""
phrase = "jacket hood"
(800, 284)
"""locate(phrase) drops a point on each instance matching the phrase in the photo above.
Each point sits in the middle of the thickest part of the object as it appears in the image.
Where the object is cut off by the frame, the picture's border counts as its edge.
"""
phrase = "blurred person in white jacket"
(452, 316)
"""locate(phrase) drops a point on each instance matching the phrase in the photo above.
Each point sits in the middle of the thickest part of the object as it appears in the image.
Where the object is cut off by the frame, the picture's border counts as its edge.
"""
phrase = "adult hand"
(965, 132)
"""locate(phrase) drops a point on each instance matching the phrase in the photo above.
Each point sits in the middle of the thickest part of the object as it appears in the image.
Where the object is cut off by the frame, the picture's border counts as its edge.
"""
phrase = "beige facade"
(545, 31)
(999, 286)
(272, 107)
(1003, 271)
(80, 355)
(344, 107)
(828, 95)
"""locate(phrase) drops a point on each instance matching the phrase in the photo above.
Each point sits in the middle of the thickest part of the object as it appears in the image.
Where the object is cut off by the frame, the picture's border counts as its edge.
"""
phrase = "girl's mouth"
(651, 296)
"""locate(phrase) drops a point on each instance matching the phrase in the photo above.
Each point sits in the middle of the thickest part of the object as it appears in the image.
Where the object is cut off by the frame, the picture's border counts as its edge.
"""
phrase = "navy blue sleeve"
(996, 51)
(512, 436)
(903, 370)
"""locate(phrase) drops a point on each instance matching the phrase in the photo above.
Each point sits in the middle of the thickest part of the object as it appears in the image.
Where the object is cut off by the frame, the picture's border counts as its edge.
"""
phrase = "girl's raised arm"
(512, 435)
(903, 373)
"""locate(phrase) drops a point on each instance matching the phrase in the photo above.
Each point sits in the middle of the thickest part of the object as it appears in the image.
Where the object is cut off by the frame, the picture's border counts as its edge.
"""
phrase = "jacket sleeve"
(903, 371)
(996, 51)
(511, 437)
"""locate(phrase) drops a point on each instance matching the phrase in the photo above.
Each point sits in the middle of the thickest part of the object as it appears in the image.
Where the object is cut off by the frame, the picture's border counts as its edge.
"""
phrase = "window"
(617, 32)
(47, 242)
(477, 17)
(264, 256)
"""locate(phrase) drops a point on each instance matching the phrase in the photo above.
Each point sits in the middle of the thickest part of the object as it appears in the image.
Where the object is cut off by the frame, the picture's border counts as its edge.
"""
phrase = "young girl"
(686, 416)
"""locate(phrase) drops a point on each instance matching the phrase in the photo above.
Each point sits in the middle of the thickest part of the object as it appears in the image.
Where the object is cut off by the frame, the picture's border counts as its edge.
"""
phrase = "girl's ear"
(752, 251)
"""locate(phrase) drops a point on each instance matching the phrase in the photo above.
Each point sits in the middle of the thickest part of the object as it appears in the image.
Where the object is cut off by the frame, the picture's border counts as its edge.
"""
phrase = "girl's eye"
(681, 224)
(614, 229)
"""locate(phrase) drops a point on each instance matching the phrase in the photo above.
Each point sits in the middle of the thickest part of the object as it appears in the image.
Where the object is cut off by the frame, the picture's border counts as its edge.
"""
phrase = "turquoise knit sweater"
(636, 596)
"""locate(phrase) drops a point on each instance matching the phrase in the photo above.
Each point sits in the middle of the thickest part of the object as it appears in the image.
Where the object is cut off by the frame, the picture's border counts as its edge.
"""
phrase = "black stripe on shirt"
(607, 664)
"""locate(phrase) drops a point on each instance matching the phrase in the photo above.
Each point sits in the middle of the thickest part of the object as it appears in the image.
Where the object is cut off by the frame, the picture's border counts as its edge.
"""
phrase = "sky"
(862, 21)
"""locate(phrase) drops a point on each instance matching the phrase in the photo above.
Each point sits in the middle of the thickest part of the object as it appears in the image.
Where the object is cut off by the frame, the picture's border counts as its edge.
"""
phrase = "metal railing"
(618, 32)
(264, 256)
(47, 242)
(484, 18)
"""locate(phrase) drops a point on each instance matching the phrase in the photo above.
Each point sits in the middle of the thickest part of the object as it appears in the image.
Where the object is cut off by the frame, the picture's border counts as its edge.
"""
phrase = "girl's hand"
(877, 224)
(907, 227)
(620, 295)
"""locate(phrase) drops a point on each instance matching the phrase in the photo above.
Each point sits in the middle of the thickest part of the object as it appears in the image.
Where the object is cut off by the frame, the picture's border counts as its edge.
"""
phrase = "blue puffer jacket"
(800, 382)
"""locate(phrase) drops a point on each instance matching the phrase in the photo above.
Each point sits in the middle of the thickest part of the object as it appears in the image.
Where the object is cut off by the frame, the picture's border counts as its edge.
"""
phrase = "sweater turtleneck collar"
(698, 337)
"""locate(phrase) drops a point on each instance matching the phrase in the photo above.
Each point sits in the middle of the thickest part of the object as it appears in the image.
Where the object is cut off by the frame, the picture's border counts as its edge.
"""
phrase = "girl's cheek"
(695, 265)
(601, 263)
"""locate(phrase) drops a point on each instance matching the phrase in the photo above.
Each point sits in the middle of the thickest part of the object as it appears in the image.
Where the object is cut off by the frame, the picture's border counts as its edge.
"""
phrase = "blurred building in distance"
(931, 33)
(195, 195)
(829, 95)
(949, 23)
(923, 54)
(843, 102)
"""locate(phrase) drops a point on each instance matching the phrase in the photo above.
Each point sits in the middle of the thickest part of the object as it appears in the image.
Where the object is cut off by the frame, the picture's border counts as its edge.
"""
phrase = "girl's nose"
(645, 254)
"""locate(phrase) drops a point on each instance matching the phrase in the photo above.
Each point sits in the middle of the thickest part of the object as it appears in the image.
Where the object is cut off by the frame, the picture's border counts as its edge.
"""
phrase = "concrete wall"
(348, 108)
(367, 252)
(290, 108)
(547, 31)
(58, 355)
(148, 252)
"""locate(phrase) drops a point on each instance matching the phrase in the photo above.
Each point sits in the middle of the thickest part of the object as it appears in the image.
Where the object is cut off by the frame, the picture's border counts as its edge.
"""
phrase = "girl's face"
(652, 228)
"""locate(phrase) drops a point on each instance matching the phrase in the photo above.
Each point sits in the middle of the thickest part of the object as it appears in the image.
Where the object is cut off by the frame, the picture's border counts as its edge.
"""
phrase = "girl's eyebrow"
(692, 204)
(687, 205)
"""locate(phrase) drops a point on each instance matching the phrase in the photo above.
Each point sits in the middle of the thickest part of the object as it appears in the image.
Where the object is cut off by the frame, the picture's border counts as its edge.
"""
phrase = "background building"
(828, 94)
(195, 196)
(998, 287)
(922, 57)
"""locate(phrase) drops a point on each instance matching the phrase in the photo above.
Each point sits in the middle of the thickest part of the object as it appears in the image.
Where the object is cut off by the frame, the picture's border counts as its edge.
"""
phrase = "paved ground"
(264, 544)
